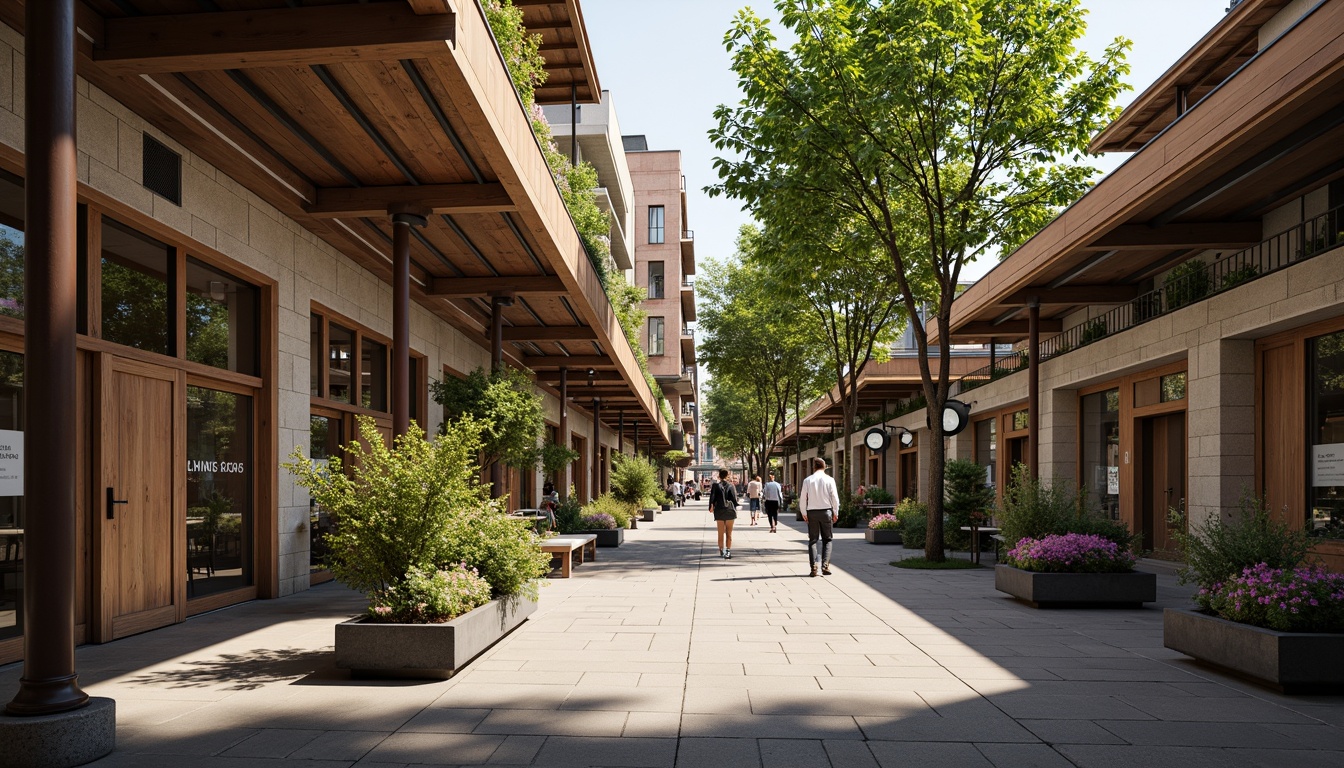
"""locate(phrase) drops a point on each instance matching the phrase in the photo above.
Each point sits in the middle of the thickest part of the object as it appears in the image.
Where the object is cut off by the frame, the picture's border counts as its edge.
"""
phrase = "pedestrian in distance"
(772, 496)
(723, 503)
(754, 499)
(820, 503)
(677, 493)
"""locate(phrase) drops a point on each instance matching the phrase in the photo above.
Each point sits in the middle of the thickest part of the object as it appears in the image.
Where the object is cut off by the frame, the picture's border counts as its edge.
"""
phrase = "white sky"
(666, 67)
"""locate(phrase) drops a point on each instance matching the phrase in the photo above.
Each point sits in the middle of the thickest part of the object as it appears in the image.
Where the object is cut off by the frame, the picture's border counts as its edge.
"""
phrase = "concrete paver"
(661, 654)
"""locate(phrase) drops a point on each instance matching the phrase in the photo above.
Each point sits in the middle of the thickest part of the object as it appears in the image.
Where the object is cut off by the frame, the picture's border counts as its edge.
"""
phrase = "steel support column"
(1034, 388)
(620, 431)
(49, 683)
(564, 430)
(497, 304)
(401, 319)
(597, 448)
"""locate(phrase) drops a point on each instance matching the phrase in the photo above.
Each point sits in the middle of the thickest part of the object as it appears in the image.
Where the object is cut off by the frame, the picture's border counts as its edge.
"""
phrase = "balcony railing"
(1187, 284)
(685, 331)
(688, 283)
(688, 234)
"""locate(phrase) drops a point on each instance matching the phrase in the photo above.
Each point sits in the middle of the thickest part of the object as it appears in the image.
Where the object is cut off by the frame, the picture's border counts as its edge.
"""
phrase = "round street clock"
(876, 439)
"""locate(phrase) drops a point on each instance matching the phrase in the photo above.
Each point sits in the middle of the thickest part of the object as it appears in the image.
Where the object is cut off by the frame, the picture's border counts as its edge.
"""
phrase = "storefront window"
(1325, 425)
(1101, 450)
(219, 491)
(373, 375)
(221, 320)
(987, 449)
(325, 441)
(1173, 387)
(340, 362)
(11, 503)
(136, 304)
(11, 246)
(315, 355)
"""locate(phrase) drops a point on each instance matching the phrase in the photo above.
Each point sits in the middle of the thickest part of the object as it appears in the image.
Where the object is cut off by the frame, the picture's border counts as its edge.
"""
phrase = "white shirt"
(772, 492)
(819, 492)
(754, 489)
(676, 489)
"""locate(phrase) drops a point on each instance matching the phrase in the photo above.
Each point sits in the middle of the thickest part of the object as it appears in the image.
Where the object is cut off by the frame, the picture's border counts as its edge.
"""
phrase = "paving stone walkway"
(661, 654)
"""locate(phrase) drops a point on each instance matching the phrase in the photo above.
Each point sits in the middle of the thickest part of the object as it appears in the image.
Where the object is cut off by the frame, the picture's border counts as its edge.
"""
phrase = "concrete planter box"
(646, 515)
(665, 507)
(609, 537)
(426, 651)
(882, 536)
(1288, 661)
(1047, 590)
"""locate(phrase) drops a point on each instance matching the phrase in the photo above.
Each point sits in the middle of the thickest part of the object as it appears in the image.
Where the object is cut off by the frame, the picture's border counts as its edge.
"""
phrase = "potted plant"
(884, 528)
(676, 458)
(607, 518)
(1260, 611)
(447, 573)
(634, 481)
(1073, 569)
(914, 517)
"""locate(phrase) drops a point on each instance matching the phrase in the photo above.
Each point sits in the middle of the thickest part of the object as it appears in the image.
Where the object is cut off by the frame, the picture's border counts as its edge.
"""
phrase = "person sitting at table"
(550, 501)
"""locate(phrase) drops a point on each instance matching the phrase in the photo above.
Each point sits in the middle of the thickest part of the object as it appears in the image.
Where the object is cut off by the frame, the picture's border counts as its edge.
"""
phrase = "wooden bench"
(570, 547)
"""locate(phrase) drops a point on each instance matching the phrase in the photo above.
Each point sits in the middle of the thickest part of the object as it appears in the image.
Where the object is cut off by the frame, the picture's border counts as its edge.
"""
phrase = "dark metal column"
(573, 124)
(620, 431)
(49, 683)
(497, 304)
(1034, 387)
(992, 359)
(635, 444)
(401, 319)
(597, 448)
(564, 430)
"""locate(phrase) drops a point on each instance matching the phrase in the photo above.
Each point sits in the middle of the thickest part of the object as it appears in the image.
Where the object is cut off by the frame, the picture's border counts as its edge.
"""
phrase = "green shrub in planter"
(965, 496)
(599, 522)
(417, 506)
(1093, 330)
(430, 596)
(568, 514)
(607, 504)
(1187, 283)
(914, 517)
(1032, 509)
(1217, 549)
(1239, 275)
(633, 479)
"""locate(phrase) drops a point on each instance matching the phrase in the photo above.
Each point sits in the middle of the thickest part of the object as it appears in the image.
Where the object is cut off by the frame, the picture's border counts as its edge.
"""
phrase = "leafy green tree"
(731, 417)
(945, 129)
(753, 341)
(505, 405)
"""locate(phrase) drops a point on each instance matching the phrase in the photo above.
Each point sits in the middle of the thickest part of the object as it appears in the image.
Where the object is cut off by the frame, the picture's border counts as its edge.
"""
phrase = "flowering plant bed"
(1070, 553)
(1073, 570)
(1283, 627)
(883, 529)
(598, 522)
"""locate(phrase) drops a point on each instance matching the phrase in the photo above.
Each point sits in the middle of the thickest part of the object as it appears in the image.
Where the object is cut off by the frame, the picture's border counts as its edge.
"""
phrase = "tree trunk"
(933, 537)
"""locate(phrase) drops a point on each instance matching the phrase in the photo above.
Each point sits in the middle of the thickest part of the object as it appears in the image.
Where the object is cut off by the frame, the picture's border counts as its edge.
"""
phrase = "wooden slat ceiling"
(1190, 191)
(1230, 44)
(362, 125)
(564, 46)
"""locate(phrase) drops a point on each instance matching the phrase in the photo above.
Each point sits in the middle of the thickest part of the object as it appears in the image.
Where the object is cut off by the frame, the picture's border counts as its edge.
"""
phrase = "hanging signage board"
(1327, 465)
(11, 462)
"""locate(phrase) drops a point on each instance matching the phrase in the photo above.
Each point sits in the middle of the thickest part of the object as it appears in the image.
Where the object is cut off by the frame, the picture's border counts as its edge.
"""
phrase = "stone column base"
(59, 741)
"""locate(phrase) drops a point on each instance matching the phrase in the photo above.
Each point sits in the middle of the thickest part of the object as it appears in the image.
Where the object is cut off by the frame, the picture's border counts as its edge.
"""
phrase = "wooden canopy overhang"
(342, 113)
(1260, 139)
(1228, 45)
(884, 385)
(570, 74)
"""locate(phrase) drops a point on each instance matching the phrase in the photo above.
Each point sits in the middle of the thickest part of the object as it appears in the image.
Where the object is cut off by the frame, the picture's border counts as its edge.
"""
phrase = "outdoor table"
(536, 516)
(975, 538)
(880, 507)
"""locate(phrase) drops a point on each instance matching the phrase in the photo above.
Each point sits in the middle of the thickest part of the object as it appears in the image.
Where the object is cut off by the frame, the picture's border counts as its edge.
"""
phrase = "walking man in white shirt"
(819, 501)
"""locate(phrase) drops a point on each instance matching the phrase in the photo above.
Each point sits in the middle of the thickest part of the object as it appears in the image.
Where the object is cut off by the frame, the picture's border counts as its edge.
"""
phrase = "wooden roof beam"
(1072, 294)
(431, 7)
(1005, 330)
(354, 202)
(550, 333)
(476, 287)
(573, 362)
(1212, 234)
(278, 37)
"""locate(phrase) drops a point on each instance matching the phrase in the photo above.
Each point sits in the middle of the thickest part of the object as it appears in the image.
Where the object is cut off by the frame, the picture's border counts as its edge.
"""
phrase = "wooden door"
(142, 563)
(1163, 482)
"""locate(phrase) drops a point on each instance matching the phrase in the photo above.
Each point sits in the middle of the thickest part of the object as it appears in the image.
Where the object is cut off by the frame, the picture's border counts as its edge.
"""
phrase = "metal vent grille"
(162, 171)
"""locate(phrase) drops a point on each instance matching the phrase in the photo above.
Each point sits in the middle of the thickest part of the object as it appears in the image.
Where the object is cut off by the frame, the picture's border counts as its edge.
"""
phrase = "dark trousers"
(772, 512)
(819, 529)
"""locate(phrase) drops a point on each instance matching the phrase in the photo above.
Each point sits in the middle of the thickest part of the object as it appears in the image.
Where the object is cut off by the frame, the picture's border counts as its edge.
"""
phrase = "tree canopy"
(945, 129)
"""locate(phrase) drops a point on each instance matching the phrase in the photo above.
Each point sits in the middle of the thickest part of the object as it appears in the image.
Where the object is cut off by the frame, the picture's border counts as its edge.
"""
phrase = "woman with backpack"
(723, 503)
